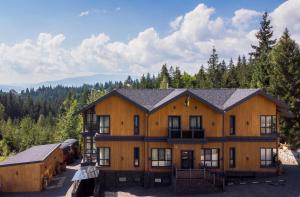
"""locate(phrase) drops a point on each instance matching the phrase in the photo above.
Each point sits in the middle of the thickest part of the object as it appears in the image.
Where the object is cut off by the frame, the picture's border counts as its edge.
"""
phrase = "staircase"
(196, 181)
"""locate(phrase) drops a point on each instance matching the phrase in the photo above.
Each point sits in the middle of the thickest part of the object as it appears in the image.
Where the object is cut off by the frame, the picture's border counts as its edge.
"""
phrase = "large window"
(104, 124)
(136, 157)
(232, 125)
(161, 157)
(268, 157)
(268, 124)
(104, 156)
(195, 122)
(232, 157)
(210, 158)
(136, 124)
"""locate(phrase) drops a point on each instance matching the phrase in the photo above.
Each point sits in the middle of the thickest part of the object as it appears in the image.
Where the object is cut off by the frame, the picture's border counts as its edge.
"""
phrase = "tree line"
(46, 115)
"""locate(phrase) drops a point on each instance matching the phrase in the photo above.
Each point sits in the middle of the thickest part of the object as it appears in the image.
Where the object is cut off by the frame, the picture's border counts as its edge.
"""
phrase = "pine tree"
(201, 78)
(262, 66)
(177, 82)
(214, 76)
(231, 76)
(285, 83)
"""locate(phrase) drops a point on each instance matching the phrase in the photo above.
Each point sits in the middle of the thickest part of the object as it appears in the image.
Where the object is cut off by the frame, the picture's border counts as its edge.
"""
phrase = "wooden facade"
(29, 176)
(247, 139)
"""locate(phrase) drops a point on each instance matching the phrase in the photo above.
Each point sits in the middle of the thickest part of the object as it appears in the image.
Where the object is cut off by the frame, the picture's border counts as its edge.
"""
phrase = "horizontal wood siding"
(121, 115)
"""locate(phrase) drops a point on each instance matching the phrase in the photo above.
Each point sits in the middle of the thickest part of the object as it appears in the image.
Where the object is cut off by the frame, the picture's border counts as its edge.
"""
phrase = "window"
(104, 124)
(268, 157)
(174, 122)
(136, 124)
(161, 157)
(232, 157)
(136, 157)
(268, 124)
(210, 158)
(90, 149)
(90, 121)
(104, 156)
(195, 122)
(232, 125)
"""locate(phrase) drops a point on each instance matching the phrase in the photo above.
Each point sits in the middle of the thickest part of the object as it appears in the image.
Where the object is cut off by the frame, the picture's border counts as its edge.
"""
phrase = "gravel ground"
(286, 185)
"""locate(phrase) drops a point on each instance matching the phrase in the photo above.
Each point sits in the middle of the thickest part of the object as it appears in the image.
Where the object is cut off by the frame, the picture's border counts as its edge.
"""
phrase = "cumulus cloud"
(243, 17)
(287, 15)
(188, 45)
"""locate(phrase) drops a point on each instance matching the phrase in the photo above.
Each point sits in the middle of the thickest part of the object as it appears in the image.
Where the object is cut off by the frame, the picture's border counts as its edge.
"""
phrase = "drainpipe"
(223, 131)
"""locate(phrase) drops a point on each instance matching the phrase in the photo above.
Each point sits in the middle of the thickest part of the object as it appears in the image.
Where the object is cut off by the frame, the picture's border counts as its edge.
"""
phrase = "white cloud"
(188, 46)
(175, 24)
(84, 13)
(243, 17)
(287, 15)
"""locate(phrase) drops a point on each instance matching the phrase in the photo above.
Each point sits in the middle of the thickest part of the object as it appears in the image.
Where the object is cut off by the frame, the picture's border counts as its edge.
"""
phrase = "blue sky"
(121, 20)
(51, 40)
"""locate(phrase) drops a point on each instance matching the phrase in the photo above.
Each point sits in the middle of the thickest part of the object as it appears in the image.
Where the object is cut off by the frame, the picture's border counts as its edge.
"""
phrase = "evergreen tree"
(214, 75)
(201, 78)
(177, 82)
(285, 83)
(231, 76)
(262, 66)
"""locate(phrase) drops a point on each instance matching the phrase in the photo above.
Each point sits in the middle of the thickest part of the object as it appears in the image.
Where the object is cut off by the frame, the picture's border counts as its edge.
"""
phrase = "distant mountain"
(73, 81)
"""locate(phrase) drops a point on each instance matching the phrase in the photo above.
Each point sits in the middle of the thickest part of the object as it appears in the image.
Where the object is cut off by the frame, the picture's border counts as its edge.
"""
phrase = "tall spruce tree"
(285, 83)
(231, 76)
(262, 66)
(213, 75)
(201, 78)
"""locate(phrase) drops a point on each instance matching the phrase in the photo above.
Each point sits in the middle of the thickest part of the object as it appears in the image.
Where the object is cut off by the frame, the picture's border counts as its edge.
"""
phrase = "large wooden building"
(30, 170)
(148, 137)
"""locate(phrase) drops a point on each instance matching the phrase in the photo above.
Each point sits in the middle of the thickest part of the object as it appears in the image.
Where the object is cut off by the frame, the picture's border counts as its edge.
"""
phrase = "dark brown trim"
(265, 138)
(109, 163)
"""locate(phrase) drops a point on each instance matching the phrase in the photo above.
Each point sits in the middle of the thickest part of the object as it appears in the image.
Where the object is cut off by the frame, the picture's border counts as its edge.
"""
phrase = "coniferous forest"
(46, 114)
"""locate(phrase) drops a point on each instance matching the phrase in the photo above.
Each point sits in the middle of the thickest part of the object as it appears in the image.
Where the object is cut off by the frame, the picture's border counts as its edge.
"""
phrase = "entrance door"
(187, 159)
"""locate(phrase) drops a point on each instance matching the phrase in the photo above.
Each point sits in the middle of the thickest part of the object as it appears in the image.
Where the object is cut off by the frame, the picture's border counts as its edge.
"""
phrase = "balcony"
(186, 134)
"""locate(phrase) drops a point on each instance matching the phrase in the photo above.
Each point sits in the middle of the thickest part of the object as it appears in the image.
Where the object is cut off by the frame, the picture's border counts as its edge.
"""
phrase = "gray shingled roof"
(32, 155)
(219, 99)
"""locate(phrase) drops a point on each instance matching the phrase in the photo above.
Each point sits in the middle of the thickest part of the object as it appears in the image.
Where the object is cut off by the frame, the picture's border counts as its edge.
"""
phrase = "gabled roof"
(220, 100)
(32, 155)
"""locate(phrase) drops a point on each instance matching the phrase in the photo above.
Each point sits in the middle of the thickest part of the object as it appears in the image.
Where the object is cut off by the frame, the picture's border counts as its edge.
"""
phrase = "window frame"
(136, 156)
(232, 157)
(179, 122)
(232, 124)
(158, 158)
(90, 120)
(203, 161)
(109, 156)
(190, 121)
(104, 127)
(272, 127)
(136, 128)
(273, 163)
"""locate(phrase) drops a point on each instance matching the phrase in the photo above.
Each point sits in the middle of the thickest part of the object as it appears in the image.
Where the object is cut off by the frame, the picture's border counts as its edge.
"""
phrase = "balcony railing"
(186, 134)
(91, 127)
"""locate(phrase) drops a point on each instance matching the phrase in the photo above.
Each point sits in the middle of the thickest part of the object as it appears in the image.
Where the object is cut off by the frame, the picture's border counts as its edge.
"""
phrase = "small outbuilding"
(30, 170)
(71, 150)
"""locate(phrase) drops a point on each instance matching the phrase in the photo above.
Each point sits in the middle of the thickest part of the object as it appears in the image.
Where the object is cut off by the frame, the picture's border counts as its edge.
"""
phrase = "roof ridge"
(235, 89)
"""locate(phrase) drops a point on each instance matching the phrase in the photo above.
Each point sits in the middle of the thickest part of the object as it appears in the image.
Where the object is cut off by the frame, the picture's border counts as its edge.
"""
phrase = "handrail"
(197, 133)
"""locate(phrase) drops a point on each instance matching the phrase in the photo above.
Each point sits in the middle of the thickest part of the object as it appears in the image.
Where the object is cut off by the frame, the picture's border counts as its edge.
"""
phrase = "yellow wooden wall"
(49, 165)
(121, 111)
(20, 178)
(211, 120)
(28, 177)
(247, 156)
(121, 155)
(247, 116)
